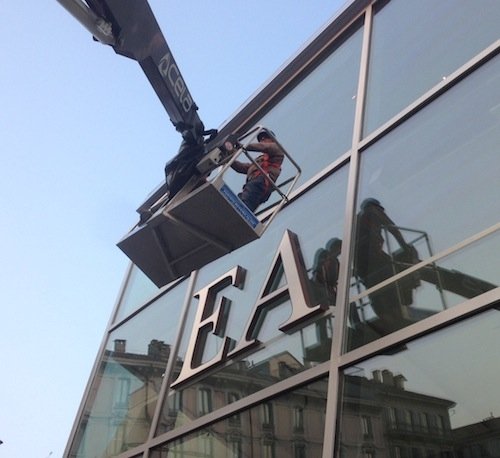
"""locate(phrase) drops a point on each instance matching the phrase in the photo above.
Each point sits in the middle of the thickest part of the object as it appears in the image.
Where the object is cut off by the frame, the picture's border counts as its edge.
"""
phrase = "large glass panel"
(289, 426)
(435, 397)
(280, 355)
(138, 290)
(428, 185)
(429, 290)
(416, 44)
(122, 400)
(314, 122)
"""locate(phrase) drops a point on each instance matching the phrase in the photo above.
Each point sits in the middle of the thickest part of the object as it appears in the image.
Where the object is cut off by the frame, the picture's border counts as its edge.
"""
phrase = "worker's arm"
(240, 167)
(388, 223)
(394, 230)
(270, 148)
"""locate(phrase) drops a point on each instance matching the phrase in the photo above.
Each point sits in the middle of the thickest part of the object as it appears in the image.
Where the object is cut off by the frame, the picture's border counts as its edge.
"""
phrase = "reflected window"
(234, 420)
(408, 37)
(122, 393)
(366, 426)
(267, 416)
(176, 402)
(431, 410)
(204, 401)
(424, 421)
(268, 450)
(207, 443)
(299, 451)
(298, 419)
(235, 448)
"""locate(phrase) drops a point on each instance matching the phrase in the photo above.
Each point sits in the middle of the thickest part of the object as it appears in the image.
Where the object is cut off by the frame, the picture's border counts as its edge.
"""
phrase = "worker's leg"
(254, 192)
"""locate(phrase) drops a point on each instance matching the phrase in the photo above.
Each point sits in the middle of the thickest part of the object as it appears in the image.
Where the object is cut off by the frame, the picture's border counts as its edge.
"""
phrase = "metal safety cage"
(205, 219)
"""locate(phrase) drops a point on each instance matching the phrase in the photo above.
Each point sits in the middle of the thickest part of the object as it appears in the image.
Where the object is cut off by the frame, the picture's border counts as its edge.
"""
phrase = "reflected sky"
(410, 36)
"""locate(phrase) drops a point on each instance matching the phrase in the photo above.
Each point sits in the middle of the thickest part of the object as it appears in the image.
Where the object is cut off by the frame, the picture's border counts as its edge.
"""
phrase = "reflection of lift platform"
(201, 223)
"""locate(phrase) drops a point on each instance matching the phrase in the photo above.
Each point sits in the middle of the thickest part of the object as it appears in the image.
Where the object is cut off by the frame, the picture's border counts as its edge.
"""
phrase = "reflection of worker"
(373, 265)
(258, 188)
(326, 271)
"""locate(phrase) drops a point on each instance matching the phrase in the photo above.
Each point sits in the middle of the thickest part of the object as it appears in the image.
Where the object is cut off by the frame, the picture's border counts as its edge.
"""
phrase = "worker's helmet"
(334, 245)
(370, 201)
(265, 134)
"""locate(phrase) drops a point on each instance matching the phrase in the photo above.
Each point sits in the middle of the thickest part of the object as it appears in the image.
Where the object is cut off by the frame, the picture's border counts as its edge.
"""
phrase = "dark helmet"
(370, 201)
(334, 245)
(265, 134)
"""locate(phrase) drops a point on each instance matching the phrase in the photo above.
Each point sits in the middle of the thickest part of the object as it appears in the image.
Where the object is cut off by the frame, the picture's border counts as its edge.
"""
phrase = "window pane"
(428, 185)
(277, 361)
(138, 290)
(123, 397)
(456, 405)
(429, 290)
(314, 121)
(418, 43)
(282, 355)
(253, 438)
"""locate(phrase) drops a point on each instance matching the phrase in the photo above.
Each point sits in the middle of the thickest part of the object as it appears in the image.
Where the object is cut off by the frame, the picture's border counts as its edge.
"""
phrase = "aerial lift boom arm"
(130, 27)
(189, 220)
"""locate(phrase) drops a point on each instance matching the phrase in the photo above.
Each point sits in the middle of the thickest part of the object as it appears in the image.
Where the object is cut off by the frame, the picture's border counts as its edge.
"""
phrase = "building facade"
(364, 321)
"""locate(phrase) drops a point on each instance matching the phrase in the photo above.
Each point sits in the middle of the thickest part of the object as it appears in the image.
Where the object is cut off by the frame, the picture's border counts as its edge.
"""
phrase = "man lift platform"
(192, 219)
(204, 220)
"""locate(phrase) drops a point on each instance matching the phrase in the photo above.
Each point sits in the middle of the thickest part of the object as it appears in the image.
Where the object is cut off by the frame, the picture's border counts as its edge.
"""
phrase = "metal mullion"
(330, 432)
(167, 379)
(245, 403)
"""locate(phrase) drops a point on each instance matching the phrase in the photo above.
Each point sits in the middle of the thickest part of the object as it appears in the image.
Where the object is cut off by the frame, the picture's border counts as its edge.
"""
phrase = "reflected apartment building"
(364, 321)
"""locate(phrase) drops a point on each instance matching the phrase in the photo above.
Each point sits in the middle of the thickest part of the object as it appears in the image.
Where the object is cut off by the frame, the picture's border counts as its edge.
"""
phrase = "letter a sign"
(213, 308)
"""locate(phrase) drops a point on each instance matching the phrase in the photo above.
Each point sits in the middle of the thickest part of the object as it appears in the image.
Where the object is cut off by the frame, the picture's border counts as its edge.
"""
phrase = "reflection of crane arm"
(452, 280)
(455, 281)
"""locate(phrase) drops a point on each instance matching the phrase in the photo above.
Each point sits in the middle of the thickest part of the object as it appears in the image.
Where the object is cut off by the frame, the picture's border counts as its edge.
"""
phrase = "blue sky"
(83, 141)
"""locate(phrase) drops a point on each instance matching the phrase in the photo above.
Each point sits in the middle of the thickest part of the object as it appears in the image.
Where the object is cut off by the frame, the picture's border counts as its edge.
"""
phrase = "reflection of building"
(478, 440)
(289, 426)
(228, 386)
(383, 419)
(127, 387)
(394, 100)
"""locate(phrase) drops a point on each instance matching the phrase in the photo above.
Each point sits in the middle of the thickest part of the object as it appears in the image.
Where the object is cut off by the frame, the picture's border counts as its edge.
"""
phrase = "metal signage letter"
(211, 318)
(289, 259)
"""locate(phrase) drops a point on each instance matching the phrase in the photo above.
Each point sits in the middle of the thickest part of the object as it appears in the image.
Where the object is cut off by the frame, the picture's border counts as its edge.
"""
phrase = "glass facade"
(363, 322)
(418, 399)
(290, 425)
